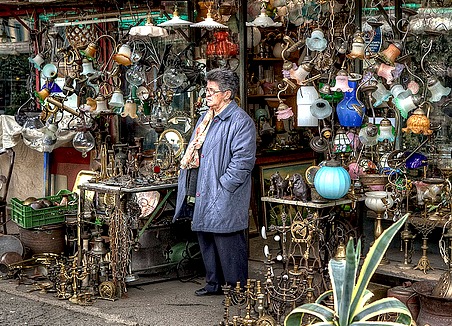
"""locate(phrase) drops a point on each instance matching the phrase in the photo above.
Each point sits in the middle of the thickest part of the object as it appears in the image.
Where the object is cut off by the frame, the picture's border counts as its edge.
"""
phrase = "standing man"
(215, 183)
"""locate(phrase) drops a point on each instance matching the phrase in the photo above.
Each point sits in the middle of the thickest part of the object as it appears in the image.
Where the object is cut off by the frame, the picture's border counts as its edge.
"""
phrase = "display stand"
(310, 234)
(123, 230)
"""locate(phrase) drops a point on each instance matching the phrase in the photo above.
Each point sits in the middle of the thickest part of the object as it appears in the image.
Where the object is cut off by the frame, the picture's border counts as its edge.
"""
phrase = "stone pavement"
(150, 302)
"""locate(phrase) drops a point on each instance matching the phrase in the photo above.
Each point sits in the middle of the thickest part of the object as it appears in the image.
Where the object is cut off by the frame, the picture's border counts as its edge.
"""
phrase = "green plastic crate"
(27, 217)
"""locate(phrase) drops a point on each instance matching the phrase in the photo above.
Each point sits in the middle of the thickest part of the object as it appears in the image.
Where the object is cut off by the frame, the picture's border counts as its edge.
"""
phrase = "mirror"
(181, 123)
(174, 139)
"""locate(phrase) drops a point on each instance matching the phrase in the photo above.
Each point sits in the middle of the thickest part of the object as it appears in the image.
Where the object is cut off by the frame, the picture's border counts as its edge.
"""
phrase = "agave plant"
(349, 291)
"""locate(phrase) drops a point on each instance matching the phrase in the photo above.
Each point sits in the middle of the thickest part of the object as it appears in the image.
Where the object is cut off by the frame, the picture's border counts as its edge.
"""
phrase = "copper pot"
(434, 310)
(7, 259)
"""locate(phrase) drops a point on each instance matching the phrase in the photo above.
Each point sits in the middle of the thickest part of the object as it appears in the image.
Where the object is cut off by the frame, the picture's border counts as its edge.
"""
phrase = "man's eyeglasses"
(210, 91)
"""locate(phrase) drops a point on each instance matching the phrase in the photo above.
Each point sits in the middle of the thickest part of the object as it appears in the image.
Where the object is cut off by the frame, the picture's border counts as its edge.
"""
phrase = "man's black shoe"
(203, 291)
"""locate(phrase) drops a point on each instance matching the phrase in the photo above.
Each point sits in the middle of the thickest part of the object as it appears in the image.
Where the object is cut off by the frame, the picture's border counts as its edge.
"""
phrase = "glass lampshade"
(406, 102)
(385, 71)
(386, 132)
(83, 141)
(306, 96)
(358, 48)
(321, 108)
(391, 53)
(117, 99)
(135, 75)
(87, 68)
(32, 129)
(50, 137)
(341, 143)
(368, 135)
(301, 72)
(341, 84)
(123, 56)
(396, 90)
(317, 41)
(332, 181)
(437, 89)
(381, 94)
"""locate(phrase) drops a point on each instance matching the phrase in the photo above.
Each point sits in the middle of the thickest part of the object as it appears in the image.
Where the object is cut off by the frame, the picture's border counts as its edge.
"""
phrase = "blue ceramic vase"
(350, 111)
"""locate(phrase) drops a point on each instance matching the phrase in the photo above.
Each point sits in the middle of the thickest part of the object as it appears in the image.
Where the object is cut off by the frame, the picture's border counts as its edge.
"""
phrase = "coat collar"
(226, 113)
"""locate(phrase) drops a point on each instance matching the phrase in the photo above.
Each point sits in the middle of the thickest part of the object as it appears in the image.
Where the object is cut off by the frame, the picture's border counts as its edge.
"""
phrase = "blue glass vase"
(350, 111)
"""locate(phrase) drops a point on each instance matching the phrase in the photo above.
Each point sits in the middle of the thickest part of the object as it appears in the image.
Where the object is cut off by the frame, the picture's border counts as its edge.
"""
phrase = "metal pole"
(242, 55)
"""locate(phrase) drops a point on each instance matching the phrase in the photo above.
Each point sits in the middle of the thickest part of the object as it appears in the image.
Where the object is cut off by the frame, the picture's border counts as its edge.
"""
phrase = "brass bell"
(340, 251)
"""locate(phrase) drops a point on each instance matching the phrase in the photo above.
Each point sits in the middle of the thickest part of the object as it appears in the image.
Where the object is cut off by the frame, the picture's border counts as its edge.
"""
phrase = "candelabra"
(424, 225)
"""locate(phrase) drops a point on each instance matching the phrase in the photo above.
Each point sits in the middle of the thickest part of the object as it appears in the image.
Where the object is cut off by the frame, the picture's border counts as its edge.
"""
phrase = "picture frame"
(284, 169)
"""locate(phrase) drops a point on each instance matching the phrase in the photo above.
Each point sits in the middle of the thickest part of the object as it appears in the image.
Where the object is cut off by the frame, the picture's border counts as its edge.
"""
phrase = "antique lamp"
(381, 94)
(406, 101)
(317, 41)
(341, 143)
(386, 131)
(368, 134)
(209, 23)
(350, 110)
(437, 89)
(321, 108)
(87, 67)
(358, 47)
(101, 105)
(341, 84)
(263, 20)
(123, 56)
(418, 123)
(37, 61)
(306, 96)
(332, 181)
(175, 21)
(379, 202)
(117, 99)
(83, 141)
(148, 30)
(390, 55)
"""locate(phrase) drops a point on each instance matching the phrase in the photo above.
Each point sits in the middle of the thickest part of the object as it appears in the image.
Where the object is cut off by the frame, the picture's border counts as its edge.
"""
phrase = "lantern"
(332, 181)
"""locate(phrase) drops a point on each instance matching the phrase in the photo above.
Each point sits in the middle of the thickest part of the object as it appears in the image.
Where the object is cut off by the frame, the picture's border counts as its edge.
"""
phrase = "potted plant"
(349, 290)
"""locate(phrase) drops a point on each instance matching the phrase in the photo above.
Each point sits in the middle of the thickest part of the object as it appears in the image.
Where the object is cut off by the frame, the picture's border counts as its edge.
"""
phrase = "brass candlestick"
(407, 238)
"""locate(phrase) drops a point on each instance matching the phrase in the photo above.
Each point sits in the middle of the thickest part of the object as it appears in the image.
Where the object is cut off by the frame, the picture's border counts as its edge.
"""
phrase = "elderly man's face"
(216, 99)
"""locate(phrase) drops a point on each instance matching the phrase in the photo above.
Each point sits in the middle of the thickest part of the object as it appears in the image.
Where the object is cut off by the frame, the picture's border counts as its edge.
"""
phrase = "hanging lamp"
(148, 29)
(175, 21)
(208, 23)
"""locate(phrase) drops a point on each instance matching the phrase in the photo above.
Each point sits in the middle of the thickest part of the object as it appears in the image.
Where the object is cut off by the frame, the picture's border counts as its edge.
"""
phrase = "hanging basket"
(79, 36)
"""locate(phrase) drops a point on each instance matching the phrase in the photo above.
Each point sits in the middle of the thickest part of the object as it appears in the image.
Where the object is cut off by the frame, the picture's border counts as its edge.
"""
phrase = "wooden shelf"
(268, 95)
(396, 269)
(266, 59)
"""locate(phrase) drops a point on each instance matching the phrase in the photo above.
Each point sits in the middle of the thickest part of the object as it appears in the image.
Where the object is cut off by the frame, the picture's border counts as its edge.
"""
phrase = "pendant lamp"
(175, 21)
(263, 21)
(148, 29)
(208, 23)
